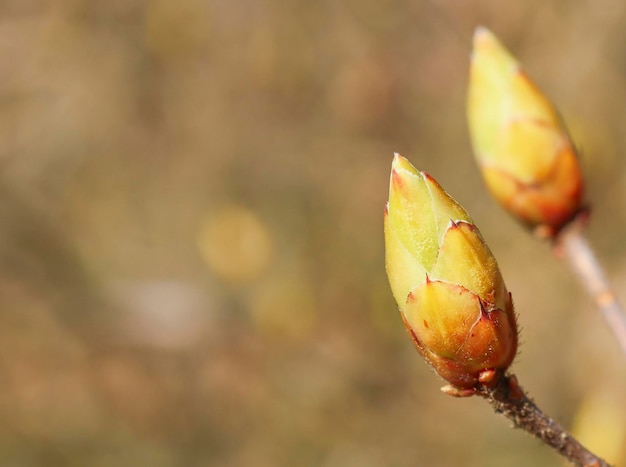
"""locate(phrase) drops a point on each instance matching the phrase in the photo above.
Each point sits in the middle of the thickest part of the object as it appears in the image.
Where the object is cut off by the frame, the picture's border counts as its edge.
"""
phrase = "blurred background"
(191, 251)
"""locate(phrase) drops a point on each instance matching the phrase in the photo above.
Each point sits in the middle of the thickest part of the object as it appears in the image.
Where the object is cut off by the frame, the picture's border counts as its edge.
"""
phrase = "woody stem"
(509, 399)
(583, 261)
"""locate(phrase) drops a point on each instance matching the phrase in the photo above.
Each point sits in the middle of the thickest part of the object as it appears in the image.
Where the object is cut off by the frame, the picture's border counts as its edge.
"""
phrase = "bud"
(526, 156)
(447, 284)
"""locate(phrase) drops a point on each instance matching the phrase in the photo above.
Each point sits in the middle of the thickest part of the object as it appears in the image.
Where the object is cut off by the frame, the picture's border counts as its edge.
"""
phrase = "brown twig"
(508, 398)
(572, 242)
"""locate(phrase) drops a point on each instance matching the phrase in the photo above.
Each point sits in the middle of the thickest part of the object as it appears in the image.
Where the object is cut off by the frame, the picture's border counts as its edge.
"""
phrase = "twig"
(583, 261)
(508, 398)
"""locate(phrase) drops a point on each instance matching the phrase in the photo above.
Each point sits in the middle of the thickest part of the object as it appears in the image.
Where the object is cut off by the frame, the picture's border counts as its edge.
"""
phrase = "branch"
(583, 261)
(508, 398)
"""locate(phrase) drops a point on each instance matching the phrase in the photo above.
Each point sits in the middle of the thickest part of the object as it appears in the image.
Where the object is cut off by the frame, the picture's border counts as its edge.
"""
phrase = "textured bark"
(509, 399)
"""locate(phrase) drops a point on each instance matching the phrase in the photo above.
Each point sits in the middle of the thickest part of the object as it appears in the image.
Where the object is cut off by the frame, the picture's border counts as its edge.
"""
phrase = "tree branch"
(509, 399)
(572, 242)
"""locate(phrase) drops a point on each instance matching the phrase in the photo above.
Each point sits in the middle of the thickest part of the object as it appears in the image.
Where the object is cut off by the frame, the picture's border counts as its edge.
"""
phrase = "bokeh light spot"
(235, 244)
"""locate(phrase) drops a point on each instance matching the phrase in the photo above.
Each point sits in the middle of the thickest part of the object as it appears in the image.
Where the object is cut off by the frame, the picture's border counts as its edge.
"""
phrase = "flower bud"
(527, 158)
(447, 284)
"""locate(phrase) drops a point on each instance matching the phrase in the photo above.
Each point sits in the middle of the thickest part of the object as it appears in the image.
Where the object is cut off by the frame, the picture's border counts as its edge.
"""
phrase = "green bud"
(522, 147)
(447, 284)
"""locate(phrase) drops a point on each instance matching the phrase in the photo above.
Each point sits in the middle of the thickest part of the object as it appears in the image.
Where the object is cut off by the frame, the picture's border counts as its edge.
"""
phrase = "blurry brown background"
(191, 254)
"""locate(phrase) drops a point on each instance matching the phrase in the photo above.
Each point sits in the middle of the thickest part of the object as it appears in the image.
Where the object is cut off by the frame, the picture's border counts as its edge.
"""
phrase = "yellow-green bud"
(447, 284)
(527, 158)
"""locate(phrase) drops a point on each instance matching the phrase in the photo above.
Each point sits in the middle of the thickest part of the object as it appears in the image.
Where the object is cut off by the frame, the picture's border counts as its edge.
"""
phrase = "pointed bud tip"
(401, 162)
(481, 33)
(485, 39)
(400, 169)
(487, 44)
